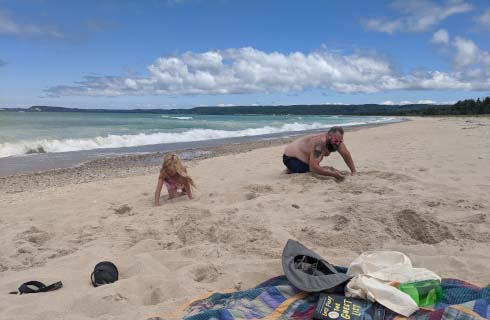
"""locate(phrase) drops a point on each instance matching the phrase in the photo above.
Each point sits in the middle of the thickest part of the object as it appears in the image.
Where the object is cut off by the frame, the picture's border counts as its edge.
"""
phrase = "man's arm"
(316, 156)
(347, 158)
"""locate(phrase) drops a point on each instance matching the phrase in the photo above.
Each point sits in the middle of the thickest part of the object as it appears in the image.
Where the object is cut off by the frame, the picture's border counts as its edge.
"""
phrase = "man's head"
(335, 138)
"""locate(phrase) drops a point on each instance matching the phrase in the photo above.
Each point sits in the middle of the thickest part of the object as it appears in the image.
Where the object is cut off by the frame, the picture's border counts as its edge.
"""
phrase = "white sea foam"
(119, 141)
(178, 118)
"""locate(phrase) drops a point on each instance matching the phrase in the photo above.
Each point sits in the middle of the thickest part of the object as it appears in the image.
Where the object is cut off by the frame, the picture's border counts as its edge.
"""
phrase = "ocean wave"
(178, 118)
(119, 141)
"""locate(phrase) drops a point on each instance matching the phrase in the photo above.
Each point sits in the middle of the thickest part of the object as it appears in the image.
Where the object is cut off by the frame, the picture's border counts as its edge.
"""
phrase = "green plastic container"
(424, 293)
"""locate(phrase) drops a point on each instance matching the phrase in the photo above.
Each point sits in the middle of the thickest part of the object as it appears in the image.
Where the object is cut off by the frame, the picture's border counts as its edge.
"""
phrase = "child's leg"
(172, 192)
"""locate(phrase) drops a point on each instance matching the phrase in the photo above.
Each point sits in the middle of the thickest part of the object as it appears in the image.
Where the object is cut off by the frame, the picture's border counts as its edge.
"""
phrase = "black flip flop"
(36, 287)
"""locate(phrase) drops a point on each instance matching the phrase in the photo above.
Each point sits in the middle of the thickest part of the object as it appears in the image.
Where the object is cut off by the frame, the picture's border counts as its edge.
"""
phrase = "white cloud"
(441, 36)
(248, 70)
(417, 15)
(382, 25)
(243, 70)
(388, 103)
(335, 103)
(154, 106)
(405, 102)
(467, 57)
(9, 26)
(484, 19)
(467, 52)
(426, 102)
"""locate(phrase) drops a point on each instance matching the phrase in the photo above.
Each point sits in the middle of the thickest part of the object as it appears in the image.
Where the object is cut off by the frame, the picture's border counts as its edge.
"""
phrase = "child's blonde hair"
(172, 160)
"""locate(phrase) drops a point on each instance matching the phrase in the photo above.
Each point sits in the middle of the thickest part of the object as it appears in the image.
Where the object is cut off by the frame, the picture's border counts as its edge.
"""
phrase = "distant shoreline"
(320, 109)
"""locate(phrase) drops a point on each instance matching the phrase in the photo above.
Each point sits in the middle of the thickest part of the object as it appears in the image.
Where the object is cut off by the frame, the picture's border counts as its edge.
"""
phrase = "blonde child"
(174, 175)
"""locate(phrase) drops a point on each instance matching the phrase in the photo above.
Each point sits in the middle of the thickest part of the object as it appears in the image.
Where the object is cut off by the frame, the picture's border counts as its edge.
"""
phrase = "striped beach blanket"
(277, 299)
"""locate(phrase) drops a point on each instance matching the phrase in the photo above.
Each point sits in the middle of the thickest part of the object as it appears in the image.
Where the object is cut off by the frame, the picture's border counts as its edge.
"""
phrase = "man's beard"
(332, 147)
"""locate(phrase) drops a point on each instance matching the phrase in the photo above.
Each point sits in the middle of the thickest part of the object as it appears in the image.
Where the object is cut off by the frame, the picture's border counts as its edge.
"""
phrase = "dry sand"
(423, 189)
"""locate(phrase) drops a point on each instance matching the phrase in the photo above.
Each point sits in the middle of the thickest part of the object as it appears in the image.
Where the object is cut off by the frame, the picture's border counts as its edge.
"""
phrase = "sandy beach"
(423, 189)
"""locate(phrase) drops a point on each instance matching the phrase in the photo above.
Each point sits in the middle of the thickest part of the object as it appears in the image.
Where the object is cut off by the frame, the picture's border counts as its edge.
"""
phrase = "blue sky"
(185, 53)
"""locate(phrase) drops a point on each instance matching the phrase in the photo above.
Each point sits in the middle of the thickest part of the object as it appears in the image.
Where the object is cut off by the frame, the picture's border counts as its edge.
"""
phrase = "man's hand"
(339, 176)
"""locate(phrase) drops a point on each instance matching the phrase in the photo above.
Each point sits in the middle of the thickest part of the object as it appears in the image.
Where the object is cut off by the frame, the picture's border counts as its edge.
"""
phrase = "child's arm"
(188, 189)
(158, 190)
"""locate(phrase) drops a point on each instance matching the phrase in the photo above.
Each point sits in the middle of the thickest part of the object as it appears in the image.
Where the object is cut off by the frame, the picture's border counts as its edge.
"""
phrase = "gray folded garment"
(307, 271)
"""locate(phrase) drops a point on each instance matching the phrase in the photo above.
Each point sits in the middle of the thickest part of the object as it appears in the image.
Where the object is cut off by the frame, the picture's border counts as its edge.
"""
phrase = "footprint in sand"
(259, 188)
(433, 203)
(317, 236)
(35, 236)
(192, 231)
(82, 239)
(115, 297)
(124, 210)
(208, 273)
(61, 253)
(156, 296)
(137, 236)
(464, 204)
(230, 211)
(251, 195)
(85, 234)
(476, 219)
(390, 176)
(255, 190)
(339, 222)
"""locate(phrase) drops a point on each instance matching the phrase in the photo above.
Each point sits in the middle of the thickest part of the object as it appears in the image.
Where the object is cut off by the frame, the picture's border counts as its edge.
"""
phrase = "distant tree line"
(464, 107)
(360, 110)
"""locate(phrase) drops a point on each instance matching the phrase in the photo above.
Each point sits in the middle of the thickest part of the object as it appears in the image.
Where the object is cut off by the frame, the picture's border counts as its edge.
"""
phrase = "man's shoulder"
(316, 139)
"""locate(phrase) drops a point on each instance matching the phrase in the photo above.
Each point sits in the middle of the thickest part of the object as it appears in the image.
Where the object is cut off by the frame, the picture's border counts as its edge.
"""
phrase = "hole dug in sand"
(422, 229)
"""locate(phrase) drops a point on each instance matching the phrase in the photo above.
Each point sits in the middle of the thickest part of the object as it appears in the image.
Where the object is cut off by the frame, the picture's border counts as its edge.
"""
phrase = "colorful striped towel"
(278, 299)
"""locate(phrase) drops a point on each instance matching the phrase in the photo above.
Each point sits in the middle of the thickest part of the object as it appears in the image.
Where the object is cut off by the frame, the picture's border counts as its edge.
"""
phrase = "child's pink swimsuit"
(174, 184)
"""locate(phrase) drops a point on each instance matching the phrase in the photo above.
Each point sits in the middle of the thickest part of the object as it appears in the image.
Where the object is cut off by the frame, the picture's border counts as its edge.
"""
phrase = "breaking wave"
(119, 141)
(178, 118)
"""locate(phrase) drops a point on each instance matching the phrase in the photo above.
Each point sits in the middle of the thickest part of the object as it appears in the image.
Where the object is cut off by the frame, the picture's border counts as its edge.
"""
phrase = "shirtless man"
(306, 153)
